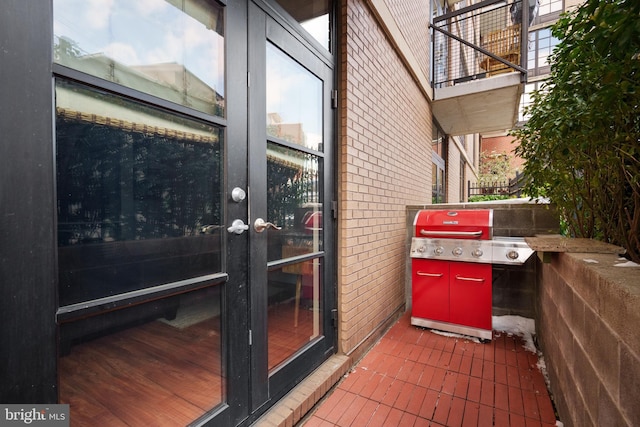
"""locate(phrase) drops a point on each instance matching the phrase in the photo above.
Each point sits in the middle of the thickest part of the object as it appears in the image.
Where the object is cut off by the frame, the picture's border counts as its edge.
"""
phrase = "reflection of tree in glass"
(115, 185)
(65, 48)
(290, 184)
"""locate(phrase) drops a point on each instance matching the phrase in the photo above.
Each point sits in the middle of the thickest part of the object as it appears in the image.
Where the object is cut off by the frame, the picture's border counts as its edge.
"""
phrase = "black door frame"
(28, 264)
(28, 295)
(237, 296)
(267, 22)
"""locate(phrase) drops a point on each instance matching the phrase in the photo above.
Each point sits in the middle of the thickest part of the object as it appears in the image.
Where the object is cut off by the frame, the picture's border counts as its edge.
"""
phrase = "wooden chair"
(299, 269)
(504, 43)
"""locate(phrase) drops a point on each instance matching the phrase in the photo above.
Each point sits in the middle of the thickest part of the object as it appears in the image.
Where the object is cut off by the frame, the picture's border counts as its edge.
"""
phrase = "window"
(550, 6)
(438, 188)
(541, 44)
(438, 144)
(463, 175)
(548, 11)
(526, 98)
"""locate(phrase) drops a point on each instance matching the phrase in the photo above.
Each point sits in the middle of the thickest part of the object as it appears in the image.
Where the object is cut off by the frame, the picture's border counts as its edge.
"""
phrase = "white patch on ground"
(517, 325)
(525, 328)
(590, 261)
(454, 335)
(627, 264)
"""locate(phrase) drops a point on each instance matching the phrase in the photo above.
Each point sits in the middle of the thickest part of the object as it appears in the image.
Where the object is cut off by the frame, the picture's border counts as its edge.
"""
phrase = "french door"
(290, 217)
(195, 215)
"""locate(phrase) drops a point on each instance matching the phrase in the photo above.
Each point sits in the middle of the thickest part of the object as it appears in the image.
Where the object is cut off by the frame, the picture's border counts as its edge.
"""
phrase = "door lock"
(238, 195)
(238, 226)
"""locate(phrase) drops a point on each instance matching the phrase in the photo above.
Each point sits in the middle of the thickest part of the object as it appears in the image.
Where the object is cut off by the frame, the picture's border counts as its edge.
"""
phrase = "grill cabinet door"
(471, 298)
(430, 289)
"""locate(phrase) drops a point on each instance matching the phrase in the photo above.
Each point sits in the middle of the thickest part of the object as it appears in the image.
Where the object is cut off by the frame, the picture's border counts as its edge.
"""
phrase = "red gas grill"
(452, 255)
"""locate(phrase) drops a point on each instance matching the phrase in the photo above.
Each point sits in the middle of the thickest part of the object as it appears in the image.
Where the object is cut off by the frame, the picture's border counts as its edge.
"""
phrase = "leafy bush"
(486, 198)
(582, 140)
(494, 167)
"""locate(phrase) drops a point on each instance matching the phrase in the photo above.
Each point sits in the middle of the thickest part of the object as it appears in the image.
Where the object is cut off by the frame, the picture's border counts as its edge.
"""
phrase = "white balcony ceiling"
(480, 106)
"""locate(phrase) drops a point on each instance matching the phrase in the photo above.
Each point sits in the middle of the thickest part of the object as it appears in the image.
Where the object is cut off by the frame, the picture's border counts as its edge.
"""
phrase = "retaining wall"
(589, 332)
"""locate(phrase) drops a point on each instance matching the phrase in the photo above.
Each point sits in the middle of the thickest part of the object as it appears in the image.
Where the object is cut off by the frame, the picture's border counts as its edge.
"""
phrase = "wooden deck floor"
(154, 374)
(158, 374)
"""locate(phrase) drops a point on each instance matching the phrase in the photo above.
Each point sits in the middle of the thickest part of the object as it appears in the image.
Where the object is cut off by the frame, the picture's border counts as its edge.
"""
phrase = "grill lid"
(451, 224)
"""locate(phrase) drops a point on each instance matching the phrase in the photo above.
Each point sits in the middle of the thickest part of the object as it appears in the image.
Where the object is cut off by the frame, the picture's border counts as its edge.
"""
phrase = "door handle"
(421, 273)
(260, 225)
(469, 279)
(238, 226)
(451, 233)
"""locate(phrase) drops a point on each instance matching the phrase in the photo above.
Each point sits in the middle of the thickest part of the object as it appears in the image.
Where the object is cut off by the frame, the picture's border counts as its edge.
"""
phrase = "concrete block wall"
(514, 287)
(588, 329)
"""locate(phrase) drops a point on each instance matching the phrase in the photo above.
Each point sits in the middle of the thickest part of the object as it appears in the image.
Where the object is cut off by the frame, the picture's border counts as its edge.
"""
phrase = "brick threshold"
(298, 402)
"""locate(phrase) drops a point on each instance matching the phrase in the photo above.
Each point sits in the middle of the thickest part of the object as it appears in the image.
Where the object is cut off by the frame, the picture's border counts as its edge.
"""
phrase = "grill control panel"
(497, 251)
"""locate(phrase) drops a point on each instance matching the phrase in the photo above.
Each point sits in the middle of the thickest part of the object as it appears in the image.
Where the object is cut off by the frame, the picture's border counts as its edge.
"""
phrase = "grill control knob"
(422, 249)
(439, 250)
(477, 253)
(513, 254)
(457, 251)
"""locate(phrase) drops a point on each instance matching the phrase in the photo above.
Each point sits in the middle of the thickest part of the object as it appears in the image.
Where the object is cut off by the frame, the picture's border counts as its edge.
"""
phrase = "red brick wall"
(503, 144)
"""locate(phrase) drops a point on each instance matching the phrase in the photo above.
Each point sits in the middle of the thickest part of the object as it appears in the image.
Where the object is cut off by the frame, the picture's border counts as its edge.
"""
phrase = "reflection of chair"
(299, 269)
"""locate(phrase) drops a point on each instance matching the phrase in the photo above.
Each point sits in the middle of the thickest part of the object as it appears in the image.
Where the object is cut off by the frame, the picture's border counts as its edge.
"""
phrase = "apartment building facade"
(204, 200)
(540, 46)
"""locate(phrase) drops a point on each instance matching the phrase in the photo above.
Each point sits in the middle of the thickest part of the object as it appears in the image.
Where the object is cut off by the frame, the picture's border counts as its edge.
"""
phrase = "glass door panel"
(294, 316)
(140, 260)
(294, 101)
(314, 16)
(294, 106)
(157, 363)
(294, 202)
(172, 49)
(139, 204)
(290, 103)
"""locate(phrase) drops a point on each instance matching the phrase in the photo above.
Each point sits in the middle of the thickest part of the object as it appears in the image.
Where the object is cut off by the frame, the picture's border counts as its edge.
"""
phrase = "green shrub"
(582, 139)
(486, 198)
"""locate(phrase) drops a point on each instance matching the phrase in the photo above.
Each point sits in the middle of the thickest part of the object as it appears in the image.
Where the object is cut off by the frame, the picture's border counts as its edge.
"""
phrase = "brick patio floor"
(414, 377)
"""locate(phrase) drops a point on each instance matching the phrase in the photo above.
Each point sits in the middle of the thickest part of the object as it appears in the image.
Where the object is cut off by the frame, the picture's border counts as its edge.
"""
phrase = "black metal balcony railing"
(482, 40)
